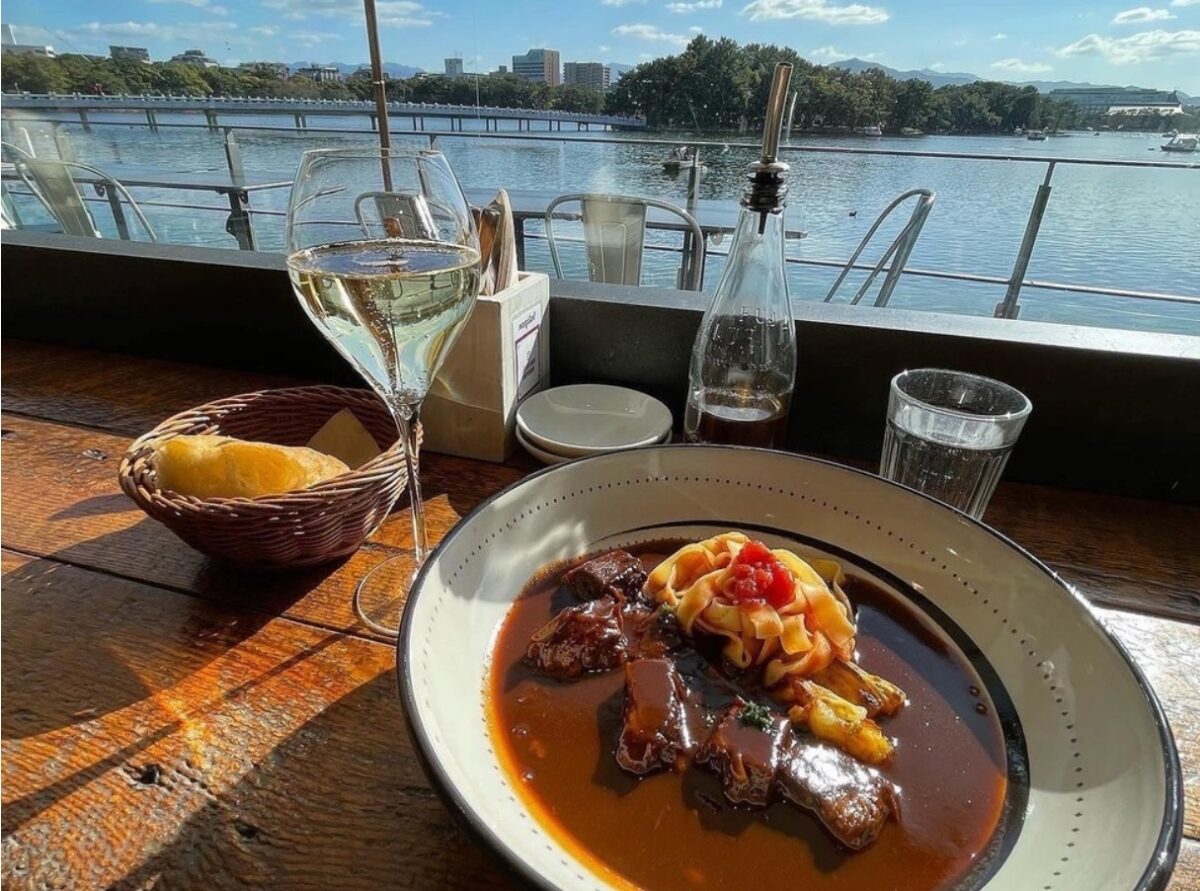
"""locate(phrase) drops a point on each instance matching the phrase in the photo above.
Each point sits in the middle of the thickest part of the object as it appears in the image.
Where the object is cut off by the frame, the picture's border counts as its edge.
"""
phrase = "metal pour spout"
(767, 188)
(774, 119)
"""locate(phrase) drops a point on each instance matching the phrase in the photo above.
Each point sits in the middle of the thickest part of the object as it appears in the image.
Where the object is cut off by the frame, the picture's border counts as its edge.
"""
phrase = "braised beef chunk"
(655, 735)
(649, 632)
(617, 573)
(745, 753)
(579, 639)
(852, 800)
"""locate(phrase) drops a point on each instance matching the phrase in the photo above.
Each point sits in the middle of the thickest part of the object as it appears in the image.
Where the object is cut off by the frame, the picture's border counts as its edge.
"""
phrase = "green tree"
(33, 74)
(915, 105)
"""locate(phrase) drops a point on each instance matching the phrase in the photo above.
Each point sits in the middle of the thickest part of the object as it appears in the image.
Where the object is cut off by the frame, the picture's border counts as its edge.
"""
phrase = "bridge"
(215, 107)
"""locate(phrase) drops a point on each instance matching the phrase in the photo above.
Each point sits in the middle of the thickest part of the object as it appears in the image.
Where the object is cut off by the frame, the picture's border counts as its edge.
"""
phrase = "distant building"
(540, 66)
(593, 75)
(1114, 100)
(279, 69)
(320, 73)
(8, 44)
(129, 53)
(195, 57)
(502, 69)
(453, 66)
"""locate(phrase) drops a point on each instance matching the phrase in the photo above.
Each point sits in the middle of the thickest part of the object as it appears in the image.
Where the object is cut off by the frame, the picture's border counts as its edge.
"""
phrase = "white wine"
(392, 307)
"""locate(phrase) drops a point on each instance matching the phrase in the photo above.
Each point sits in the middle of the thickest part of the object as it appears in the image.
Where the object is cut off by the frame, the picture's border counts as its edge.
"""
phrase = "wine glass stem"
(405, 416)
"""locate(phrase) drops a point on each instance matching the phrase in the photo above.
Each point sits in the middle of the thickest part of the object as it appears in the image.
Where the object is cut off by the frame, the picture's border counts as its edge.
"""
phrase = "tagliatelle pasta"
(801, 636)
(789, 620)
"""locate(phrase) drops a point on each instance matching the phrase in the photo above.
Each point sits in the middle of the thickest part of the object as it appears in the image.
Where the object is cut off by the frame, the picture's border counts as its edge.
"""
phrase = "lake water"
(1134, 228)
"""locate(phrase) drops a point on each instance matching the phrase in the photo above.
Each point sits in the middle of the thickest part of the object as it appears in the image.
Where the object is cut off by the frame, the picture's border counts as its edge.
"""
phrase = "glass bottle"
(744, 360)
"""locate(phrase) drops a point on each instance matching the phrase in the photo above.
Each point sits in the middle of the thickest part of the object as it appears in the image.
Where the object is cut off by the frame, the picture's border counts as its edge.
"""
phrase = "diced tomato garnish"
(758, 576)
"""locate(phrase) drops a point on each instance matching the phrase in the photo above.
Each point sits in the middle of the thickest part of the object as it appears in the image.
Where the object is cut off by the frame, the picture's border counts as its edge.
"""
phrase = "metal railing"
(1008, 307)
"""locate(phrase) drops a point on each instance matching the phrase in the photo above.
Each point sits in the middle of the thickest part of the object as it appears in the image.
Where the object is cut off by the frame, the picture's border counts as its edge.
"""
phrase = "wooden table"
(168, 722)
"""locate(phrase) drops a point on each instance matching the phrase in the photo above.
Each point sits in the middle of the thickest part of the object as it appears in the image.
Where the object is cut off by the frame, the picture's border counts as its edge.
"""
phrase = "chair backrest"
(896, 256)
(614, 234)
(52, 183)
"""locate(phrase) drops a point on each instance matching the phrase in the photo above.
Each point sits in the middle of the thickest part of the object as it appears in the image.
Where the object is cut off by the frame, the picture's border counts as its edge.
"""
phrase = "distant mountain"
(955, 78)
(391, 69)
(618, 69)
(937, 78)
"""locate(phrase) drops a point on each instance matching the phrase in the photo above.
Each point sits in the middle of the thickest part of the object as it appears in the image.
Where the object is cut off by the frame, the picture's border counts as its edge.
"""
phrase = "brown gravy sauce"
(667, 831)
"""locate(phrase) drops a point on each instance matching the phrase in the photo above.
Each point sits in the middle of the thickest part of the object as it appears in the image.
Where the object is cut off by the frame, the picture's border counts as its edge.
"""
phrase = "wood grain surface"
(168, 722)
(155, 740)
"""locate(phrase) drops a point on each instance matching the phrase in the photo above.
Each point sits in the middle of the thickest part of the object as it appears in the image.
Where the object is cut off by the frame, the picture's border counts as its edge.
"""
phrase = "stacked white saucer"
(585, 419)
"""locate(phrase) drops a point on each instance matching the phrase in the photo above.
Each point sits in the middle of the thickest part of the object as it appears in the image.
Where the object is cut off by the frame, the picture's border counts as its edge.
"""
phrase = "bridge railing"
(1014, 283)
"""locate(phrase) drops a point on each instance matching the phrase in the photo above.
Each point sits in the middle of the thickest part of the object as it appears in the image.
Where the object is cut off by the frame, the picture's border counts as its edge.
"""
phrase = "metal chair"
(51, 182)
(614, 232)
(897, 253)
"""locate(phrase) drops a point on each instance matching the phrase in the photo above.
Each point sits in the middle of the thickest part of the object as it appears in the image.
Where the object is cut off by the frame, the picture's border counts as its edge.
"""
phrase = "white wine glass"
(384, 257)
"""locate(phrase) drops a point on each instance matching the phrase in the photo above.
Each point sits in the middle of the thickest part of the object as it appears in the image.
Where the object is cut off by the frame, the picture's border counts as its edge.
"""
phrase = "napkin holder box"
(502, 356)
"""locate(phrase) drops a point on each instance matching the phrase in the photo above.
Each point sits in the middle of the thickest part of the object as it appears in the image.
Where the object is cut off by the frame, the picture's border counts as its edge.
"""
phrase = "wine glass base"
(380, 595)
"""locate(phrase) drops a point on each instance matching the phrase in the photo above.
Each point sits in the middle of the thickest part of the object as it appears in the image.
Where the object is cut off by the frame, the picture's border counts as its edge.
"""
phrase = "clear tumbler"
(949, 434)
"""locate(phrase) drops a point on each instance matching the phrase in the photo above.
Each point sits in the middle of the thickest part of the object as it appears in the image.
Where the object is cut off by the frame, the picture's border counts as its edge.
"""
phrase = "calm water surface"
(1110, 227)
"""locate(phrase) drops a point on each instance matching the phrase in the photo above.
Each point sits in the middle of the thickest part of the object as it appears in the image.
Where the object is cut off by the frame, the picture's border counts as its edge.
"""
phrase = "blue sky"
(1111, 42)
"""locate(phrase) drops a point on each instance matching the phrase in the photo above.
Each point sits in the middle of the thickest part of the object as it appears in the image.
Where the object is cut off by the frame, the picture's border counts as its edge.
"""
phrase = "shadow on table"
(340, 802)
(147, 551)
(76, 645)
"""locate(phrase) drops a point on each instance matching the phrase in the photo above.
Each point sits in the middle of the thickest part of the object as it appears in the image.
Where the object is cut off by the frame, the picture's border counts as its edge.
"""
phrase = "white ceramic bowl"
(541, 454)
(584, 419)
(551, 458)
(1104, 795)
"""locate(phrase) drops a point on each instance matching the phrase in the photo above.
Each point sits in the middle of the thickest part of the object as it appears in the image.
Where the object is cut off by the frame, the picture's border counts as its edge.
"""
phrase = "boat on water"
(1182, 142)
(911, 131)
(1171, 134)
(681, 159)
(1036, 135)
(869, 130)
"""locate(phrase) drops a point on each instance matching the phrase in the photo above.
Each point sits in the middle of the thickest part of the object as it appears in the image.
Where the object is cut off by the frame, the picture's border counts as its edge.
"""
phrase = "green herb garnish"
(755, 714)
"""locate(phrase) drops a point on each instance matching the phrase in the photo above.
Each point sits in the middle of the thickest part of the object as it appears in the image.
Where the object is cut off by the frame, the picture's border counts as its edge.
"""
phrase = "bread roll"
(206, 466)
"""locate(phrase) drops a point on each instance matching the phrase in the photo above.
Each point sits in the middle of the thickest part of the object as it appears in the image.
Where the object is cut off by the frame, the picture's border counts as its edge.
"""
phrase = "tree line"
(721, 85)
(72, 73)
(712, 85)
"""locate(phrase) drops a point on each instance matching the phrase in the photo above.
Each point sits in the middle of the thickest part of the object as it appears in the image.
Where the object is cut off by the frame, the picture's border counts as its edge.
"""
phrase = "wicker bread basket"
(304, 528)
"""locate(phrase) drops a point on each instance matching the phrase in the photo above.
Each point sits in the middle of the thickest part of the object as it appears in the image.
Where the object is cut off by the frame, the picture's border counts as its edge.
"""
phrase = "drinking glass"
(384, 257)
(949, 434)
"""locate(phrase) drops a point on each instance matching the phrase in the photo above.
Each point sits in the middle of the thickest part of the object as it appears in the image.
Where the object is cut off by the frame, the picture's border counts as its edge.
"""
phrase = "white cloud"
(1140, 47)
(265, 30)
(683, 8)
(1018, 67)
(937, 66)
(196, 4)
(312, 38)
(193, 31)
(999, 35)
(1184, 2)
(833, 54)
(1141, 14)
(392, 13)
(649, 32)
(828, 54)
(696, 29)
(815, 10)
(646, 57)
(619, 2)
(603, 48)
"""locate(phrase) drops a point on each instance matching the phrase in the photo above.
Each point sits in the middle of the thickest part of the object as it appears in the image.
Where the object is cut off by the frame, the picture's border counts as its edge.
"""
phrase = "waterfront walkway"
(215, 107)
